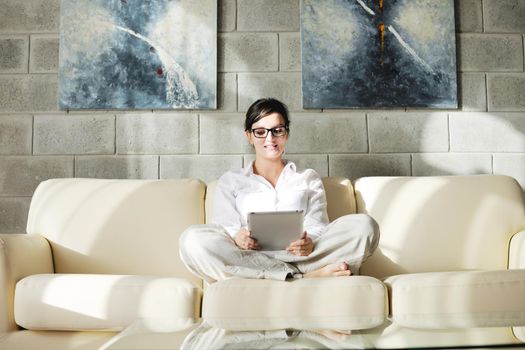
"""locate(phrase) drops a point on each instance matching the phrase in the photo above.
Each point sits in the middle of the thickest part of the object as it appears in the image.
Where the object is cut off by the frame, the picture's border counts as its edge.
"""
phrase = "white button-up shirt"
(241, 192)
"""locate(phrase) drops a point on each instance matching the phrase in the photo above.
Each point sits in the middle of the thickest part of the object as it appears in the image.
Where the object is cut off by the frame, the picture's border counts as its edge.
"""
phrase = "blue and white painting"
(138, 54)
(378, 53)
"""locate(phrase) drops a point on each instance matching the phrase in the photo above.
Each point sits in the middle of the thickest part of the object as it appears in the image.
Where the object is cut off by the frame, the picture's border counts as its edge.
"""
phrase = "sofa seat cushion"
(55, 340)
(395, 336)
(101, 302)
(355, 302)
(458, 299)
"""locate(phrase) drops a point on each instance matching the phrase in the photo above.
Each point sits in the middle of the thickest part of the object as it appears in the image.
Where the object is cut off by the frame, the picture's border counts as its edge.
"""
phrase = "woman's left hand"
(301, 247)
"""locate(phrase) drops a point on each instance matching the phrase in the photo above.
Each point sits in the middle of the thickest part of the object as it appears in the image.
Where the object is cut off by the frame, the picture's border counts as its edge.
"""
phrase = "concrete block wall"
(259, 55)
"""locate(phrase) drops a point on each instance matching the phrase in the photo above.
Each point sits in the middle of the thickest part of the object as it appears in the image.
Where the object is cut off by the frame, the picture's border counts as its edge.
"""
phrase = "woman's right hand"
(244, 240)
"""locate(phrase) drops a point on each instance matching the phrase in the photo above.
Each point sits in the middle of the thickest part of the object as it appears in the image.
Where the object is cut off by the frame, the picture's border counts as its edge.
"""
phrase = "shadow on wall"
(472, 160)
(232, 100)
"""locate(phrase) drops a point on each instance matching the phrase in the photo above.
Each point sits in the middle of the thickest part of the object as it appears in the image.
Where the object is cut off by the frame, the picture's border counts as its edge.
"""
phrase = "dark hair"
(263, 107)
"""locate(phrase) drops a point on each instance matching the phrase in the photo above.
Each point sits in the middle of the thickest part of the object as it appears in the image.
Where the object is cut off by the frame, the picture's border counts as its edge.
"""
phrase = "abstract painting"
(138, 54)
(378, 53)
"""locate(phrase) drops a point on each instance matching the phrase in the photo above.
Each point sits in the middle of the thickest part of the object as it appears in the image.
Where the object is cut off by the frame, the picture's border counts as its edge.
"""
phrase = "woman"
(225, 248)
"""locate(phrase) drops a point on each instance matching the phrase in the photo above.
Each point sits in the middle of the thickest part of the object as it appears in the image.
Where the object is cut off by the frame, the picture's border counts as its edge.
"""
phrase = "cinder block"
(223, 134)
(490, 52)
(13, 214)
(506, 92)
(14, 53)
(504, 16)
(268, 15)
(227, 92)
(117, 167)
(28, 93)
(16, 133)
(289, 52)
(408, 132)
(360, 165)
(19, 176)
(44, 54)
(29, 16)
(286, 87)
(469, 16)
(248, 158)
(205, 168)
(328, 133)
(487, 132)
(318, 162)
(511, 165)
(245, 52)
(160, 133)
(227, 13)
(436, 164)
(74, 134)
(473, 91)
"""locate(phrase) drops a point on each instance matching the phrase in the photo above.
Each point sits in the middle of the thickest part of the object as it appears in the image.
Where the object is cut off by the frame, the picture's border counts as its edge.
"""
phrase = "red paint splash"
(381, 28)
(160, 71)
(382, 36)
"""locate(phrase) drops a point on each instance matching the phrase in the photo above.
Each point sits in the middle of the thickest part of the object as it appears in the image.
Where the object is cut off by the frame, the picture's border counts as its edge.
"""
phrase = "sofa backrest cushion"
(442, 223)
(117, 226)
(339, 196)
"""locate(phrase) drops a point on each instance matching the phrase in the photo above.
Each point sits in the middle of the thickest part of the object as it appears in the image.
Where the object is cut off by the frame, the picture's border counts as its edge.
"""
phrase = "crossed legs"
(209, 252)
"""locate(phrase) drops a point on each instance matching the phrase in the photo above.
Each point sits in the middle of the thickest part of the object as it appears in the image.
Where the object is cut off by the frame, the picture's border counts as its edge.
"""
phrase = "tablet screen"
(277, 229)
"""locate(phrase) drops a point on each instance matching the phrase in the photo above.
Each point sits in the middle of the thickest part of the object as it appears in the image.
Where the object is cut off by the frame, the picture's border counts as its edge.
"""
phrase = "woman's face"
(269, 147)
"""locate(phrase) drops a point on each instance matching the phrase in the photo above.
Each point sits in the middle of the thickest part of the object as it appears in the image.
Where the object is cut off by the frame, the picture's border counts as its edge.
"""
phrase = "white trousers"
(209, 252)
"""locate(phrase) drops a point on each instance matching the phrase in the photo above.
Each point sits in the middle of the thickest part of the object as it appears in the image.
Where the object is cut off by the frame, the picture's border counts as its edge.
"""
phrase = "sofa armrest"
(517, 251)
(21, 255)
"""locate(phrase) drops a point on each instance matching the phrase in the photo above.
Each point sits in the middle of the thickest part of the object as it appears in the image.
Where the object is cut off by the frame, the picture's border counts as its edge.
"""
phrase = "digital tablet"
(275, 230)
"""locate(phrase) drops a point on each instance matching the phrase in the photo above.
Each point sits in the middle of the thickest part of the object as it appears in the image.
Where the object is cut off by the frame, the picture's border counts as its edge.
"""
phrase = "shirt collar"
(289, 166)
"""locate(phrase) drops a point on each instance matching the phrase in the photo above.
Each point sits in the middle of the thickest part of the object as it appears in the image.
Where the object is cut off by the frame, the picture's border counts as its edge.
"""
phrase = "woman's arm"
(224, 209)
(316, 217)
(225, 213)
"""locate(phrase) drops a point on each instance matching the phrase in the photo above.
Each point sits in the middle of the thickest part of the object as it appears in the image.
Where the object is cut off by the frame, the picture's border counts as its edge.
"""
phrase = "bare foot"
(331, 270)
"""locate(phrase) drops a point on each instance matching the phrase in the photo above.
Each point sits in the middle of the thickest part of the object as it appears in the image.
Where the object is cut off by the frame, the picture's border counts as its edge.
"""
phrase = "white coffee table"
(146, 334)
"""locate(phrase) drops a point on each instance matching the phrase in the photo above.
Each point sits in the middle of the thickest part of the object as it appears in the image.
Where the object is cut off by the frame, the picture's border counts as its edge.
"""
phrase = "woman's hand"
(244, 241)
(301, 247)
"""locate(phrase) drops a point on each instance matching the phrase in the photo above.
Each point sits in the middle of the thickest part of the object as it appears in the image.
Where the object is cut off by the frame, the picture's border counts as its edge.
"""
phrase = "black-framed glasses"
(278, 131)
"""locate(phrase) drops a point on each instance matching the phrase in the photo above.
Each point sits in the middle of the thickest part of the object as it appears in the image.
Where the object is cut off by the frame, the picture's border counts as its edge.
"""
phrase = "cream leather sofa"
(98, 254)
(101, 253)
